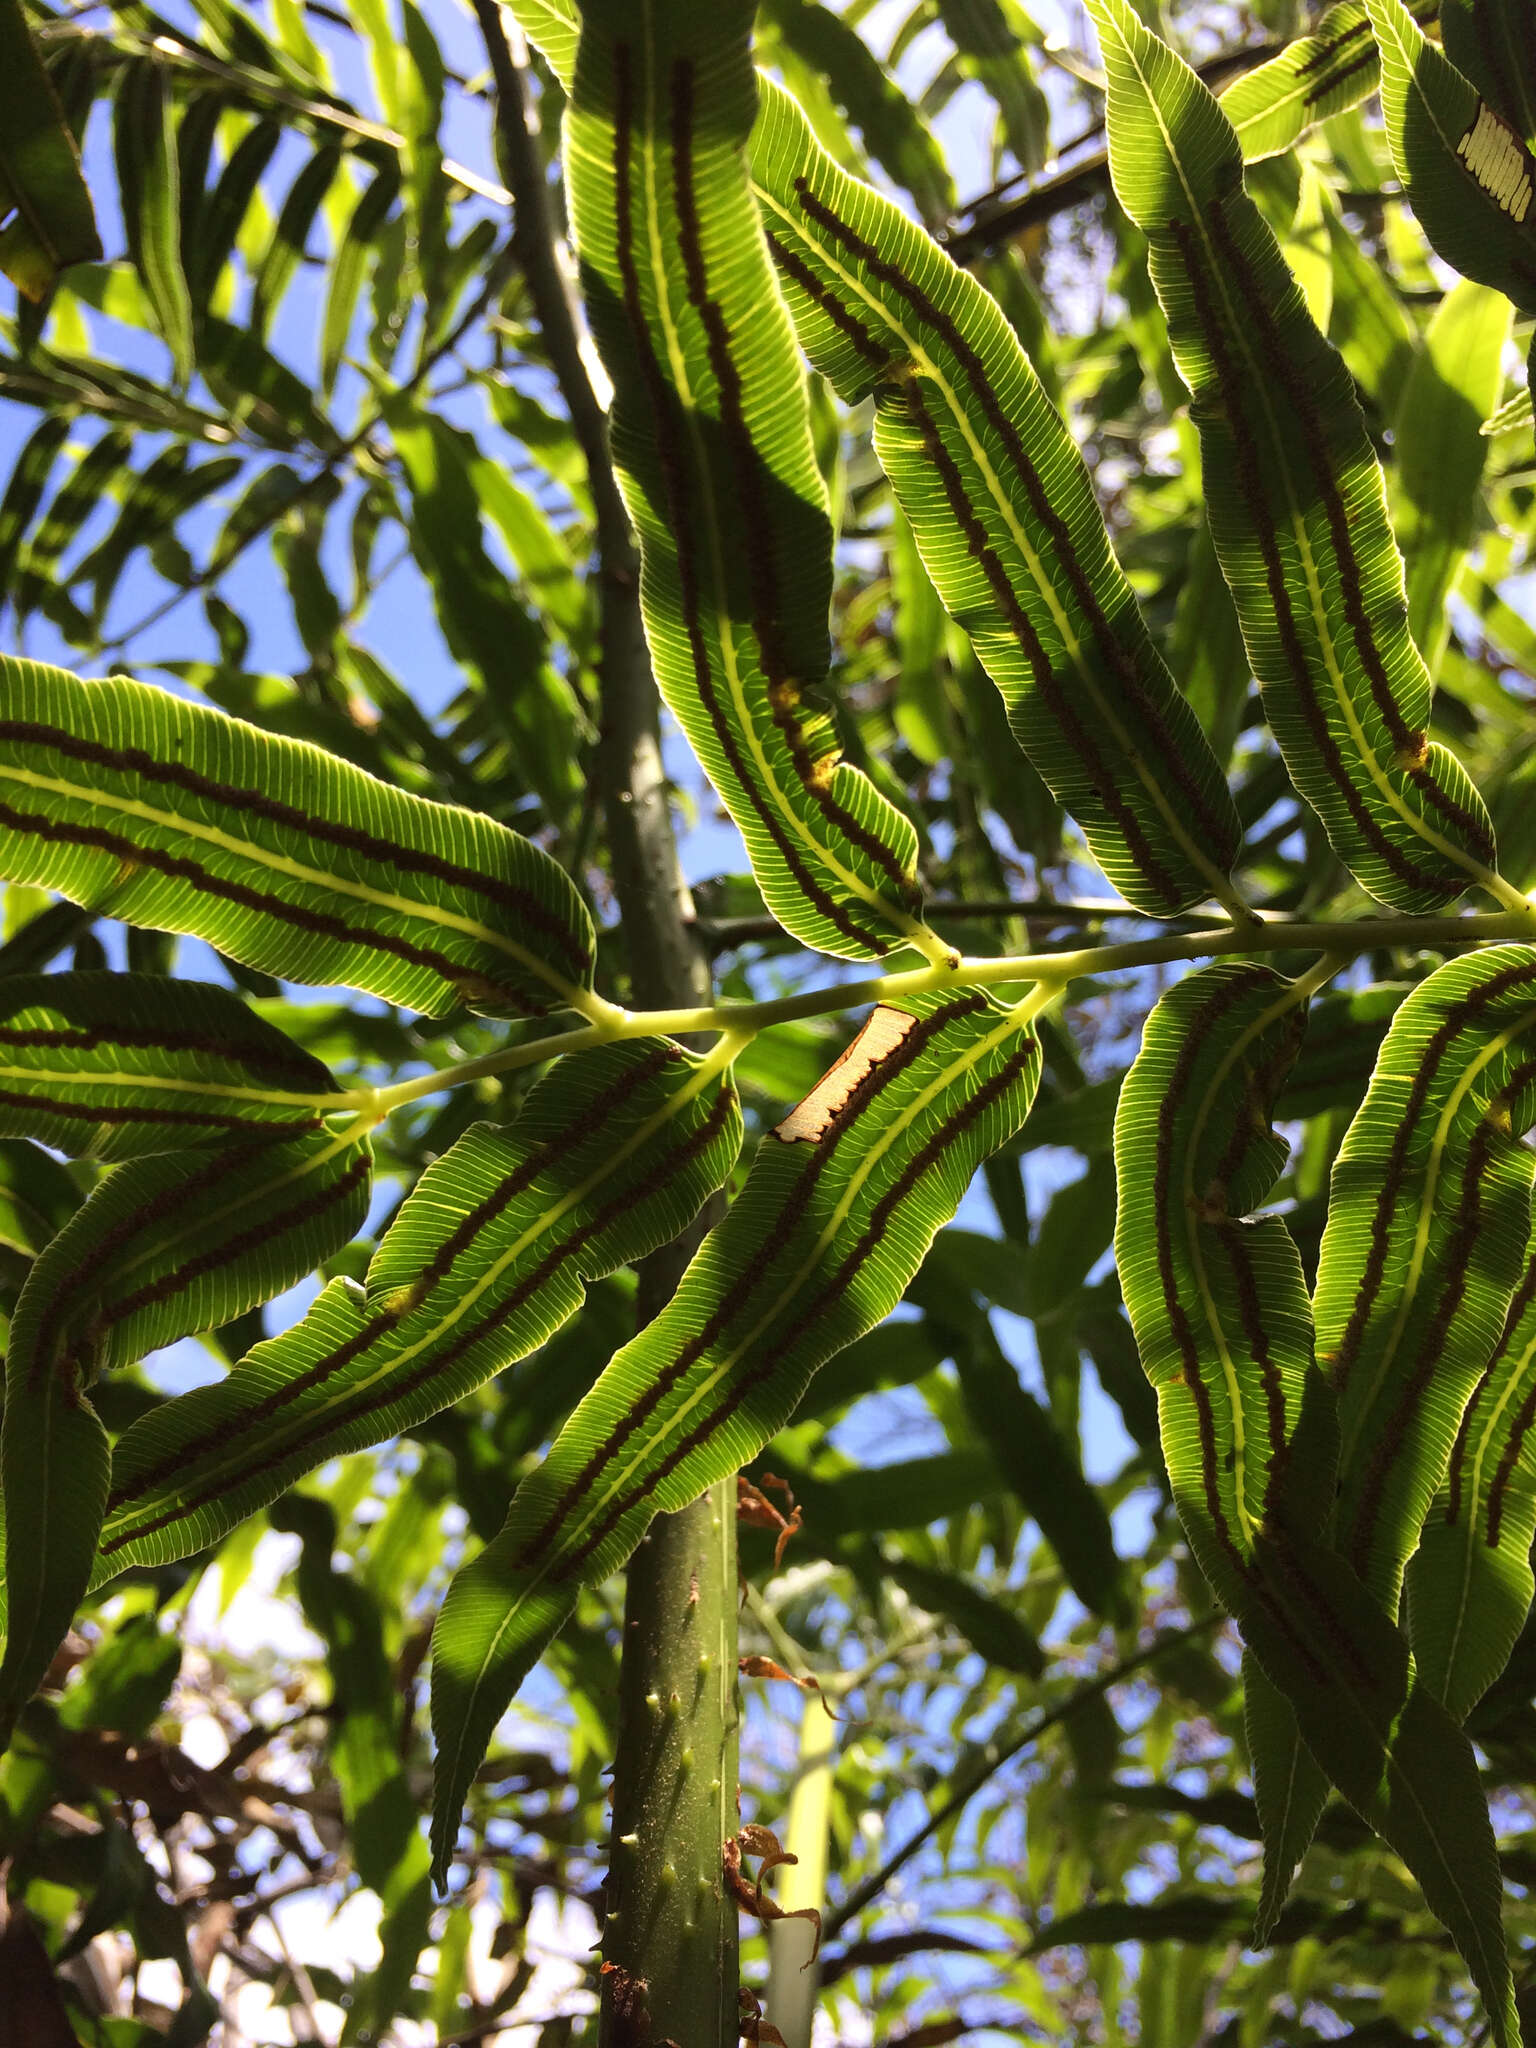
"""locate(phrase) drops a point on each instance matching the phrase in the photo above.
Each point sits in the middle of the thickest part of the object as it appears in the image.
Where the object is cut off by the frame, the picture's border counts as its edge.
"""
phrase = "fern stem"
(669, 1942)
(1345, 940)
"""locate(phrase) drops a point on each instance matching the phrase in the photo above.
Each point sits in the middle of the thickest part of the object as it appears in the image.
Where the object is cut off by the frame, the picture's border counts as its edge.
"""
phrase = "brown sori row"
(1216, 831)
(253, 803)
(661, 402)
(322, 923)
(661, 1171)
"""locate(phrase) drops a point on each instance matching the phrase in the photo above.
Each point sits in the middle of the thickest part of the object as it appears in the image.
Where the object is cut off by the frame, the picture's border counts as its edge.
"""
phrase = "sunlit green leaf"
(1334, 67)
(159, 812)
(992, 1628)
(483, 618)
(1004, 515)
(1385, 1740)
(611, 1156)
(149, 180)
(1441, 449)
(1470, 177)
(712, 438)
(163, 1247)
(842, 1202)
(1215, 1292)
(1045, 1471)
(1514, 412)
(1293, 491)
(994, 55)
(122, 1066)
(1289, 1790)
(892, 129)
(1469, 1581)
(1427, 1226)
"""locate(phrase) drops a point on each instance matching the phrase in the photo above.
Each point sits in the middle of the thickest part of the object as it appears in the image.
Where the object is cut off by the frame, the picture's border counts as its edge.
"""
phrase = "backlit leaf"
(1293, 492)
(1440, 448)
(1045, 1470)
(1289, 1790)
(1490, 42)
(841, 1204)
(1427, 1225)
(122, 1066)
(1220, 1313)
(149, 180)
(485, 622)
(991, 53)
(44, 203)
(1334, 67)
(290, 237)
(1470, 176)
(1218, 1303)
(892, 129)
(1516, 411)
(1215, 1293)
(55, 1458)
(159, 812)
(1004, 515)
(221, 212)
(164, 1246)
(167, 1246)
(711, 434)
(991, 1627)
(1385, 1741)
(24, 490)
(37, 1197)
(358, 244)
(612, 1155)
(76, 498)
(1470, 1581)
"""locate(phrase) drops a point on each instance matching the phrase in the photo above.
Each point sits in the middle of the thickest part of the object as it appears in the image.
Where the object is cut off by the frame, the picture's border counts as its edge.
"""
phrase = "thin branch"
(1052, 972)
(679, 1606)
(491, 2029)
(1069, 187)
(666, 964)
(535, 243)
(305, 2000)
(226, 558)
(721, 933)
(1001, 1750)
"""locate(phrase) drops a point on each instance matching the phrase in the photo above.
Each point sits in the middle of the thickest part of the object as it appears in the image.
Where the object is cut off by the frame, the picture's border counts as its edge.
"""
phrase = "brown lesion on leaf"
(812, 1118)
(747, 1891)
